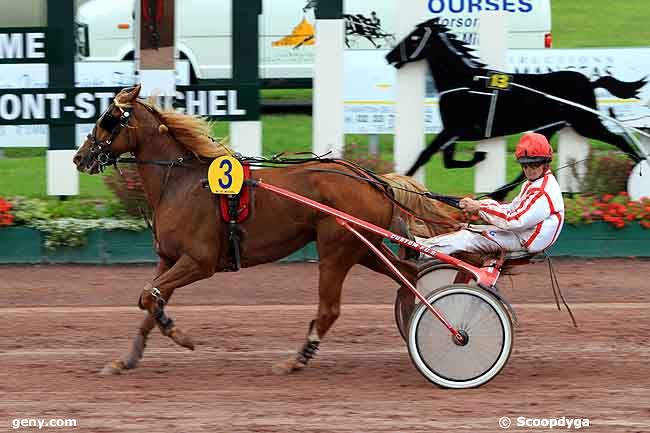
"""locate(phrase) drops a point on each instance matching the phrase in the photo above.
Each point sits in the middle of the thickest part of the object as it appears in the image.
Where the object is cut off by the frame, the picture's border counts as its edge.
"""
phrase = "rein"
(178, 162)
(404, 208)
(452, 201)
(511, 185)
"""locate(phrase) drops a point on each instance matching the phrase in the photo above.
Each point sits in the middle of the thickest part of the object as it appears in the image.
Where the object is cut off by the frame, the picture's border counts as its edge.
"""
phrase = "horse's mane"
(461, 48)
(192, 132)
(420, 205)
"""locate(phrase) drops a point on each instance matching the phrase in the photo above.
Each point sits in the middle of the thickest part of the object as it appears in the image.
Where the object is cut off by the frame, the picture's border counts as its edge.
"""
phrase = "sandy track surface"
(60, 325)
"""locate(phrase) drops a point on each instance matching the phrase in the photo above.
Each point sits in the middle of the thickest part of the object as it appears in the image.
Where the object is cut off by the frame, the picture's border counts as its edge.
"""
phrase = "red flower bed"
(617, 210)
(6, 218)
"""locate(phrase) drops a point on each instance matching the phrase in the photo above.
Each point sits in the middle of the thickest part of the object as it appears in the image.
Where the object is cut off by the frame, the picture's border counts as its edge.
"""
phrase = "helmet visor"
(533, 160)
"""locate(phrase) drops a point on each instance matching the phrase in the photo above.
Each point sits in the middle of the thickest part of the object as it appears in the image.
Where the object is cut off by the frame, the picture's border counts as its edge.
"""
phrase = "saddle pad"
(243, 200)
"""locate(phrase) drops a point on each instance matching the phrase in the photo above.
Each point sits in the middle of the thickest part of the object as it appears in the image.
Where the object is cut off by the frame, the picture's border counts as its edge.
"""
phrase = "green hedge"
(25, 245)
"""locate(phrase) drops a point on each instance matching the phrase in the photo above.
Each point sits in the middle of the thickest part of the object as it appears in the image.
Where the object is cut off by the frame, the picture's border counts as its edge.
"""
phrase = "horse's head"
(412, 47)
(111, 136)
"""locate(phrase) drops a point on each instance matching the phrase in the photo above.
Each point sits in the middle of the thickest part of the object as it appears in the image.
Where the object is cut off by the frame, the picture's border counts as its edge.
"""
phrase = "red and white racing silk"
(535, 216)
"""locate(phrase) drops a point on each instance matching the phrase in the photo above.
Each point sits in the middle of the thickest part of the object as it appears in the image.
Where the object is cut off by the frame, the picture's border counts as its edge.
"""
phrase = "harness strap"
(404, 208)
(178, 162)
(233, 230)
(556, 290)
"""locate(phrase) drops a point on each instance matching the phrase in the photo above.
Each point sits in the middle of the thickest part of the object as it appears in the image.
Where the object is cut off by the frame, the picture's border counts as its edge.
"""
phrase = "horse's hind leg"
(408, 269)
(336, 260)
(597, 131)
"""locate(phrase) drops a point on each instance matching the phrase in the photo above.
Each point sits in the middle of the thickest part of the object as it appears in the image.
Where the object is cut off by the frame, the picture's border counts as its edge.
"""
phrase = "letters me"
(22, 45)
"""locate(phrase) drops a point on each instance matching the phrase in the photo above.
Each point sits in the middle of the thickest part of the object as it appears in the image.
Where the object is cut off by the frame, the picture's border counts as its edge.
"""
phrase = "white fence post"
(156, 64)
(571, 148)
(409, 95)
(328, 106)
(490, 174)
(638, 184)
(246, 137)
(62, 175)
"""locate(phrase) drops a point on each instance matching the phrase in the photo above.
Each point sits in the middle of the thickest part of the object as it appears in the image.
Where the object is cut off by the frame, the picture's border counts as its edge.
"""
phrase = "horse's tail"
(618, 88)
(441, 219)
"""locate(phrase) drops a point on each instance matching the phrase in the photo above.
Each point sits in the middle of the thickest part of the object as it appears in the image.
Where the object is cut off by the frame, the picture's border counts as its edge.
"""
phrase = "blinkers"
(101, 149)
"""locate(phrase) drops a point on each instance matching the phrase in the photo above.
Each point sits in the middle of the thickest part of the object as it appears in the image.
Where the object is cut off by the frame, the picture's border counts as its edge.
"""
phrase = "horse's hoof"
(287, 366)
(181, 338)
(112, 369)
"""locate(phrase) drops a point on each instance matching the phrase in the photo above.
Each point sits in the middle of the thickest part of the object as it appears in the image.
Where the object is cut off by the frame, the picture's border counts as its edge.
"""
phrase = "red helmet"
(533, 147)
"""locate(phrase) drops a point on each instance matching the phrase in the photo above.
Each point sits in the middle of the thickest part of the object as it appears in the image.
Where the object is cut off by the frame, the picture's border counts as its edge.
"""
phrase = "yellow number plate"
(226, 175)
(499, 81)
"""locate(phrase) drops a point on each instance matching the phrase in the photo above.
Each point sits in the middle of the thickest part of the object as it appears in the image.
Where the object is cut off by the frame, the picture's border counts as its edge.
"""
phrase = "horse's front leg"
(156, 294)
(441, 141)
(449, 161)
(133, 357)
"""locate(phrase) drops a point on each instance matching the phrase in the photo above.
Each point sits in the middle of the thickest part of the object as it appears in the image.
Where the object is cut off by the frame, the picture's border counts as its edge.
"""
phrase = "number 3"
(226, 174)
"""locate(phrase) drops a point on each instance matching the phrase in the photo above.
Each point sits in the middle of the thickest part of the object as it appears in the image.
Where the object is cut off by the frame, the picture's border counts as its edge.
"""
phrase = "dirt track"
(60, 325)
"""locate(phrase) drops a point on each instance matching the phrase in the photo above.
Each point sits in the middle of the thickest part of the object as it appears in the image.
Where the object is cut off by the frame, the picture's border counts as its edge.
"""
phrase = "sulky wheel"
(477, 315)
(434, 274)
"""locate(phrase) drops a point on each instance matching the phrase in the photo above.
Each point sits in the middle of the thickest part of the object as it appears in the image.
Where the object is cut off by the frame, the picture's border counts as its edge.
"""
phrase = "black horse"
(477, 103)
(368, 28)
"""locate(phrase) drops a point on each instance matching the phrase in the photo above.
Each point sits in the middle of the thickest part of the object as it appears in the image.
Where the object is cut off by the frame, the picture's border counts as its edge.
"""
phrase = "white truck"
(287, 34)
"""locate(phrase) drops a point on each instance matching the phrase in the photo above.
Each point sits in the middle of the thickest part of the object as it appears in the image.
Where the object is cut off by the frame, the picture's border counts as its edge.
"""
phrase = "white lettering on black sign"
(83, 106)
(211, 102)
(22, 45)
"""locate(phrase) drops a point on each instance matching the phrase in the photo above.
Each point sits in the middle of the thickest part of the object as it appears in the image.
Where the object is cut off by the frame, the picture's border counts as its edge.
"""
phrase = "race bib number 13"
(499, 81)
(226, 175)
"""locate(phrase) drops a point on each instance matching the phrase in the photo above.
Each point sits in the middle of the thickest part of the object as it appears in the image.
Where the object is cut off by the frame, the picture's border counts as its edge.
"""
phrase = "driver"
(530, 223)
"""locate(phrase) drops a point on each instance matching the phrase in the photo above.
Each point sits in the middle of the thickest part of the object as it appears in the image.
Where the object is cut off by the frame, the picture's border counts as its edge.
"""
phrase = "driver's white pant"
(482, 239)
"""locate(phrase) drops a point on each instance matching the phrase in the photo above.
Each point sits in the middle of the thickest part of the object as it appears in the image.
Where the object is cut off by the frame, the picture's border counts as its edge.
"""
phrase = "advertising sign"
(29, 105)
(23, 45)
(370, 84)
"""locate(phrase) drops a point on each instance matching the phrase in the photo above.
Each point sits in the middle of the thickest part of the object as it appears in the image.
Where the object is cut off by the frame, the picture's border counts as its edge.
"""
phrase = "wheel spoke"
(483, 318)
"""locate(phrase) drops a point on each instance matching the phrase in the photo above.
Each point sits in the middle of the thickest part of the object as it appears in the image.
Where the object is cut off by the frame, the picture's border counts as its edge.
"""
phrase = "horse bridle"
(100, 150)
(423, 42)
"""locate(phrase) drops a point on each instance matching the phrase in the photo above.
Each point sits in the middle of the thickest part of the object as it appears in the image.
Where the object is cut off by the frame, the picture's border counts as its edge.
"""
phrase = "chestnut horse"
(172, 152)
